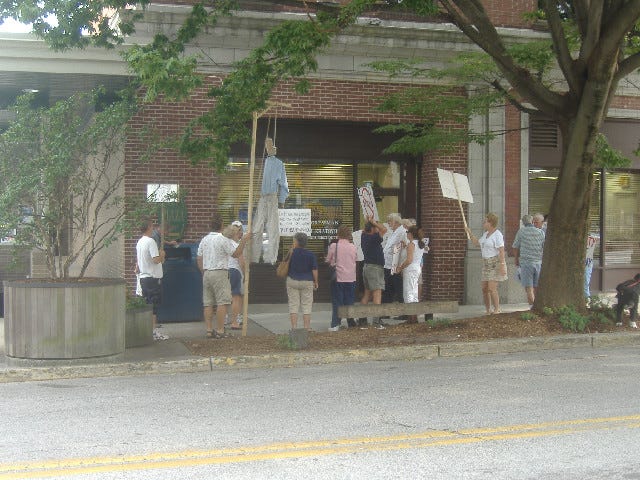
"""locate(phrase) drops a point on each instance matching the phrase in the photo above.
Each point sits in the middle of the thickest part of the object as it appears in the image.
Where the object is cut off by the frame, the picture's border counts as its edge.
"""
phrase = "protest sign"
(368, 202)
(293, 220)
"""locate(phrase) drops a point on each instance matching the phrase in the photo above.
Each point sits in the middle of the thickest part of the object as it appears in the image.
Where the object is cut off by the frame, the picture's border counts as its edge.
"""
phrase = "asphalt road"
(572, 414)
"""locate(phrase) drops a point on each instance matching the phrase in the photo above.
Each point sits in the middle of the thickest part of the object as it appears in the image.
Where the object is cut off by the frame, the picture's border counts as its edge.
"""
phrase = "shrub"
(442, 322)
(572, 320)
(285, 342)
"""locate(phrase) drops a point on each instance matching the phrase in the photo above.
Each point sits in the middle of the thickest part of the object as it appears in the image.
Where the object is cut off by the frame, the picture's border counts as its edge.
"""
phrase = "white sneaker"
(633, 325)
(159, 336)
(618, 324)
(334, 329)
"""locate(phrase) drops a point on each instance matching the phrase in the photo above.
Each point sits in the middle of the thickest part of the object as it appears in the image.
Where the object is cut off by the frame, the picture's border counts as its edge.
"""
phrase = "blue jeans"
(587, 278)
(342, 293)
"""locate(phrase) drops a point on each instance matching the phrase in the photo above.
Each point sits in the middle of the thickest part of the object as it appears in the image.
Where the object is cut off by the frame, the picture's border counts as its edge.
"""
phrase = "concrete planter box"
(64, 320)
(139, 327)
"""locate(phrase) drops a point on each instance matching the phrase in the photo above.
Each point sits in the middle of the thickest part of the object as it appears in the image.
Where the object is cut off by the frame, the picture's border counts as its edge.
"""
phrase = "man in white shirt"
(393, 282)
(214, 252)
(149, 269)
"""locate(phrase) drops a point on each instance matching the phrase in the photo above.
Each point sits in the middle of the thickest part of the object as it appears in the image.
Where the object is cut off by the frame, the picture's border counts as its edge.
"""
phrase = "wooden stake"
(247, 266)
(252, 164)
(464, 220)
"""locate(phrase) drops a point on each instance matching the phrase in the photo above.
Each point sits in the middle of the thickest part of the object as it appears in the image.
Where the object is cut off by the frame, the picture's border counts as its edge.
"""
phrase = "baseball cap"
(236, 223)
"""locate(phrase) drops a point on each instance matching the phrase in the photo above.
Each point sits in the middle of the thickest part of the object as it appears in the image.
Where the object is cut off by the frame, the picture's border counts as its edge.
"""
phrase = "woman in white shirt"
(494, 266)
(411, 268)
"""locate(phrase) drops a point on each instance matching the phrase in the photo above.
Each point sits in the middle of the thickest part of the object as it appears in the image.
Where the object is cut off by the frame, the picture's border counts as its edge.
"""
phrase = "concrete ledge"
(302, 358)
(358, 310)
(105, 370)
(514, 345)
(615, 339)
(294, 359)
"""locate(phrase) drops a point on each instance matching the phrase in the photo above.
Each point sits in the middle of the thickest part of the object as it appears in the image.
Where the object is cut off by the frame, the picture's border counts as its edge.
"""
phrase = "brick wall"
(167, 166)
(441, 217)
(503, 13)
(512, 170)
(327, 100)
(508, 13)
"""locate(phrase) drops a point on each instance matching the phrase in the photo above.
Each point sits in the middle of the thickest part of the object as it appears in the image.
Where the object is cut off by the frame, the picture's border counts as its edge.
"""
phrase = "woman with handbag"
(302, 280)
(342, 256)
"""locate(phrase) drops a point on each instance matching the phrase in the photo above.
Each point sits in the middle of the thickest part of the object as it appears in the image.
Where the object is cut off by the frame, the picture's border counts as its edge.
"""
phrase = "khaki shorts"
(300, 293)
(216, 288)
(373, 276)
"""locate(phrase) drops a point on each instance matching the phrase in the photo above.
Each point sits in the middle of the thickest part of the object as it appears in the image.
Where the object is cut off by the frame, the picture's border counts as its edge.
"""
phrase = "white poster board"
(162, 192)
(368, 202)
(455, 185)
(294, 220)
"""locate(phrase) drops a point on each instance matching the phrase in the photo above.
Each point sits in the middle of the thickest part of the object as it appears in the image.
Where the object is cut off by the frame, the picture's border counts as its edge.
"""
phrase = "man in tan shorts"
(214, 252)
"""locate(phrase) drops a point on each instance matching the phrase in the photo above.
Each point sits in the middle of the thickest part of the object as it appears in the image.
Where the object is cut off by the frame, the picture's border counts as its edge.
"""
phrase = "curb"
(298, 359)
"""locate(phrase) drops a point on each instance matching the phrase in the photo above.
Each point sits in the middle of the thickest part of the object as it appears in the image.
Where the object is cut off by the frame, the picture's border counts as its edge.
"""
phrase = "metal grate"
(543, 133)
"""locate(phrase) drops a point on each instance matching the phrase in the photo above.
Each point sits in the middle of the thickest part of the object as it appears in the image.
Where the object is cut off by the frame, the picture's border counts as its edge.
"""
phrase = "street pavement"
(171, 356)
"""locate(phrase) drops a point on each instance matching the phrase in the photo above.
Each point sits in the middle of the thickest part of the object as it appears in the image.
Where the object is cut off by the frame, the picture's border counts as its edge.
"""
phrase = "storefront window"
(622, 218)
(542, 185)
(384, 179)
(325, 189)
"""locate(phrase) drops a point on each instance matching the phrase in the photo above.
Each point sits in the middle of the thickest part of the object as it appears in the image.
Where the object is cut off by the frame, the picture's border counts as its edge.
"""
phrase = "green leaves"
(60, 168)
(66, 24)
(607, 157)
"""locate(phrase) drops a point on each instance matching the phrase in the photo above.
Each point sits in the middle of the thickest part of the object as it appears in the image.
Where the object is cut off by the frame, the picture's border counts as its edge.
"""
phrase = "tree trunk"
(562, 276)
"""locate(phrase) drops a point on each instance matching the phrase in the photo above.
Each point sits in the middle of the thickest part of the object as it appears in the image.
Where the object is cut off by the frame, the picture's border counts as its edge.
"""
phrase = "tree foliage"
(590, 47)
(60, 174)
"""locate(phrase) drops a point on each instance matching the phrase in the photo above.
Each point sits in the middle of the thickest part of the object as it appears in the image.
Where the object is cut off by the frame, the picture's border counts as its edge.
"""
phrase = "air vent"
(543, 133)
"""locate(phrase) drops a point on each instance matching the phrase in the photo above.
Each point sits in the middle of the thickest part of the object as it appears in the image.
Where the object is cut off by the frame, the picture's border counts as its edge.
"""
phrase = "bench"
(358, 310)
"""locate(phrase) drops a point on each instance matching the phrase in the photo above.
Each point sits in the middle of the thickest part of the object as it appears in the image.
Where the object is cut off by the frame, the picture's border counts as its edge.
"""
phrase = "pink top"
(346, 264)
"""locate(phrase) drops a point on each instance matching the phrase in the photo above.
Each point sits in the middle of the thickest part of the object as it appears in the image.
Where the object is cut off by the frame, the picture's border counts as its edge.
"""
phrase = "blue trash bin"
(181, 286)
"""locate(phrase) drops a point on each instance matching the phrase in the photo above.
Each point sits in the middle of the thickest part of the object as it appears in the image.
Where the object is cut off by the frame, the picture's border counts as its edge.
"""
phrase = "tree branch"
(593, 31)
(626, 66)
(581, 8)
(511, 99)
(477, 26)
(616, 27)
(560, 46)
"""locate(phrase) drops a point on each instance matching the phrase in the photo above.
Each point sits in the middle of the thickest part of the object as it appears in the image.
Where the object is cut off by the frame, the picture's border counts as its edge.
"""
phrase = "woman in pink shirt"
(342, 254)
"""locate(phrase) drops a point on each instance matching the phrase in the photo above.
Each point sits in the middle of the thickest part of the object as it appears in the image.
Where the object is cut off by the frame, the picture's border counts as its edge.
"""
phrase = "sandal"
(219, 335)
(209, 334)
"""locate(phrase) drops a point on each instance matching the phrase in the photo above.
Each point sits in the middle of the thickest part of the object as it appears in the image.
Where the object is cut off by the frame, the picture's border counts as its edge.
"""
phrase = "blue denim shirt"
(274, 178)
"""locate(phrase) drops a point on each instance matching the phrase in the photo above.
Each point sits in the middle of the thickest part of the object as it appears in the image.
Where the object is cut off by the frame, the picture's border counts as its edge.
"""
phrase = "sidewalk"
(171, 356)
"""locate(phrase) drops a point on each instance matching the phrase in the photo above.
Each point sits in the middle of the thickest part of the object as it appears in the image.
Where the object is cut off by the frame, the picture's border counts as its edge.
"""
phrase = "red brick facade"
(327, 100)
(512, 169)
(508, 13)
(503, 13)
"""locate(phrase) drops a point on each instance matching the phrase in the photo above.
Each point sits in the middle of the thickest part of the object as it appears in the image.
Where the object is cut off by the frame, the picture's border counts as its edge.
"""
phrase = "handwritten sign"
(455, 185)
(368, 202)
(294, 220)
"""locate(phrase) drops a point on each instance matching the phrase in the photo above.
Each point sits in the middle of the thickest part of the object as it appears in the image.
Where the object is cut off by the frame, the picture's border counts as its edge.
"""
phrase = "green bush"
(528, 316)
(572, 320)
(133, 302)
(285, 342)
(442, 322)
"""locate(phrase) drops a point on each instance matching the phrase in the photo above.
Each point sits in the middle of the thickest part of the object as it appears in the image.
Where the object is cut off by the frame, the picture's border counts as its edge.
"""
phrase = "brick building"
(325, 139)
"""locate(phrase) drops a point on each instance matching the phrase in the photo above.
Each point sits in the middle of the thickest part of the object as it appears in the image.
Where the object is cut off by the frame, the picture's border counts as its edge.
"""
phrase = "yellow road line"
(284, 450)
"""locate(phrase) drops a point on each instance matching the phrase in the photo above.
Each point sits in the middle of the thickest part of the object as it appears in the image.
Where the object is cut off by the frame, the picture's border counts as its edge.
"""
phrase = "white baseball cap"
(236, 223)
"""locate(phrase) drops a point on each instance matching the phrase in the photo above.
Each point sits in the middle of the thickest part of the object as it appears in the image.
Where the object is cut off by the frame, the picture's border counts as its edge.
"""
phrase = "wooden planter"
(54, 320)
(139, 327)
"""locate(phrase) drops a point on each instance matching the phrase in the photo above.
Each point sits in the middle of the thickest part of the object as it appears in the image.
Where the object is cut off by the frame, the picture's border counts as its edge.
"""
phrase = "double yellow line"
(195, 458)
